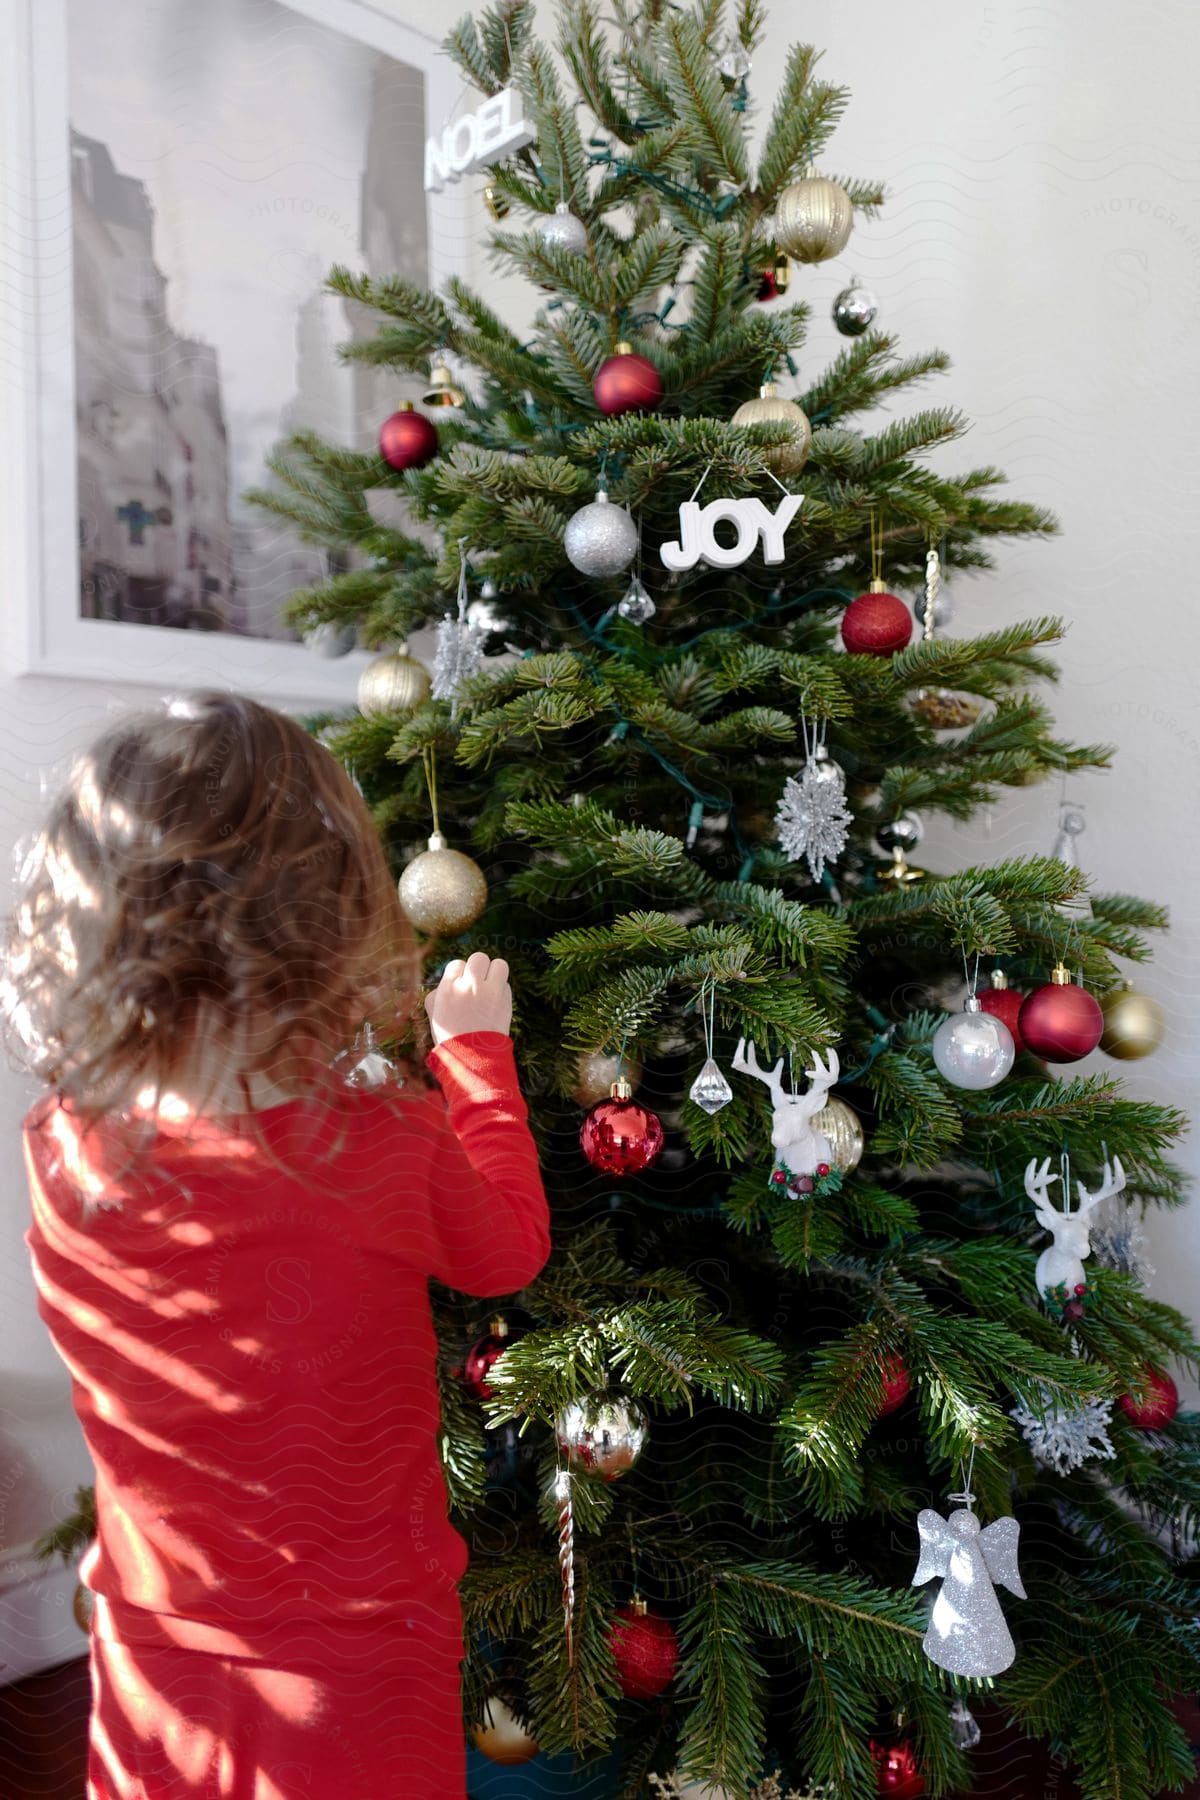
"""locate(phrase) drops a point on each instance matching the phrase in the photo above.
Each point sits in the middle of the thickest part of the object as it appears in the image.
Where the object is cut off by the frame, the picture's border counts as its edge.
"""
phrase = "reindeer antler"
(825, 1070)
(1111, 1183)
(745, 1061)
(1037, 1186)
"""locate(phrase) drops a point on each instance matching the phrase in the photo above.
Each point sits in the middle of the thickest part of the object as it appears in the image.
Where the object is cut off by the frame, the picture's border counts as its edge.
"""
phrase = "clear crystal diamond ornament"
(710, 1088)
(964, 1726)
(813, 817)
(734, 61)
(364, 1065)
(635, 603)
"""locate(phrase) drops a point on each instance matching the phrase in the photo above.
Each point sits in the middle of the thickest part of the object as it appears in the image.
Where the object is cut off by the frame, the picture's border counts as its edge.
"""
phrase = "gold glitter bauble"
(813, 219)
(83, 1605)
(843, 1128)
(501, 1737)
(441, 890)
(395, 683)
(944, 711)
(1134, 1024)
(771, 408)
(595, 1073)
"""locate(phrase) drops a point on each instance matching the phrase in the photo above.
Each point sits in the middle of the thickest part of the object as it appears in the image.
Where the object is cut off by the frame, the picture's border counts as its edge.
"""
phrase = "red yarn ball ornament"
(482, 1357)
(645, 1650)
(1005, 1003)
(626, 382)
(1158, 1408)
(876, 624)
(618, 1136)
(897, 1383)
(897, 1772)
(407, 440)
(1061, 1022)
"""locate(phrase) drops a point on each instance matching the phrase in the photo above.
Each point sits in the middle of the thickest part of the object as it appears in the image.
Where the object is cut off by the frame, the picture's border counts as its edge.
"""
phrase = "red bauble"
(1158, 1408)
(876, 624)
(1061, 1022)
(1004, 1003)
(407, 440)
(626, 382)
(481, 1358)
(644, 1649)
(897, 1383)
(618, 1136)
(768, 287)
(897, 1772)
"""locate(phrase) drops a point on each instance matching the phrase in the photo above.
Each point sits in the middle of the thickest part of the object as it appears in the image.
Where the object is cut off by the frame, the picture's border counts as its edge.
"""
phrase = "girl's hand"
(471, 996)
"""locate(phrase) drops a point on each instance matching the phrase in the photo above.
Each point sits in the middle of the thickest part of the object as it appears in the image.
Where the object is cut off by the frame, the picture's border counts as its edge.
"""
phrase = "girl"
(231, 1248)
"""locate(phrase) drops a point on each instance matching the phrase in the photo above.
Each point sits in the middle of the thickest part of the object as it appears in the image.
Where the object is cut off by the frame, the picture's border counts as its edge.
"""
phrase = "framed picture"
(182, 177)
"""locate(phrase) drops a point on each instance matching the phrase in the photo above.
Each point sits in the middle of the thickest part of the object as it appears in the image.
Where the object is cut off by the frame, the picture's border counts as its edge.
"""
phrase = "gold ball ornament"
(813, 219)
(442, 891)
(395, 683)
(595, 1073)
(501, 1737)
(83, 1605)
(1134, 1024)
(843, 1129)
(771, 408)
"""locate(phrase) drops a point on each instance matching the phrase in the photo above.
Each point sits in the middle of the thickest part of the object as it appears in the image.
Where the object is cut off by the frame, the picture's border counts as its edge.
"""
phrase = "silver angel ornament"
(967, 1632)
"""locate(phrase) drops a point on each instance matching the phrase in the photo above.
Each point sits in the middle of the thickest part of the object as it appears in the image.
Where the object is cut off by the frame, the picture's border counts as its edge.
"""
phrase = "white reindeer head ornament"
(798, 1147)
(1060, 1275)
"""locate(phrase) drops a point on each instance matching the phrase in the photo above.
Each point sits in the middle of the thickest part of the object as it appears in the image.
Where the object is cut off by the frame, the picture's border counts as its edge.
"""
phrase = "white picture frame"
(44, 632)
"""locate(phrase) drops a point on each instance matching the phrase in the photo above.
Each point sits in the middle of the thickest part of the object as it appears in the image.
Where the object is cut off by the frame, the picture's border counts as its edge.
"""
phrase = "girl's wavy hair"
(208, 882)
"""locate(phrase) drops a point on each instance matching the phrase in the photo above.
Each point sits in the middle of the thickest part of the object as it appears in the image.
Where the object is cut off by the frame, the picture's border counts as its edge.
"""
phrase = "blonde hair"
(208, 882)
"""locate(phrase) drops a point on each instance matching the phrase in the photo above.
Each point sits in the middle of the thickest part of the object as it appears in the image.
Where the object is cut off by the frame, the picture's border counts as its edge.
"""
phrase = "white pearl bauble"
(972, 1049)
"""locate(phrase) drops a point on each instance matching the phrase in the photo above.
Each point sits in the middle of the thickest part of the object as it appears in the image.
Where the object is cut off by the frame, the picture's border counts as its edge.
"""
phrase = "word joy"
(476, 140)
(698, 534)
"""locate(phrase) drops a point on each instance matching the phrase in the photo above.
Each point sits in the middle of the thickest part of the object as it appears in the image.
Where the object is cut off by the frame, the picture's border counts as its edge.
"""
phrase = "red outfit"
(245, 1317)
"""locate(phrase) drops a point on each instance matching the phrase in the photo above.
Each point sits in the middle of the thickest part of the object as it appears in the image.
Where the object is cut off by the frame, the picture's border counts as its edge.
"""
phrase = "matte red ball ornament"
(626, 382)
(482, 1357)
(645, 1650)
(897, 1772)
(1004, 1003)
(877, 623)
(407, 440)
(1061, 1022)
(1158, 1408)
(620, 1137)
(897, 1383)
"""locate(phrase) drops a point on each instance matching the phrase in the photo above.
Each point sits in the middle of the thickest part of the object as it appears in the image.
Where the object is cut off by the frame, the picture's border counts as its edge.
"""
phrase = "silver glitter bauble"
(602, 1433)
(635, 604)
(813, 219)
(710, 1089)
(902, 833)
(331, 639)
(441, 890)
(564, 231)
(601, 539)
(854, 309)
(943, 609)
(972, 1049)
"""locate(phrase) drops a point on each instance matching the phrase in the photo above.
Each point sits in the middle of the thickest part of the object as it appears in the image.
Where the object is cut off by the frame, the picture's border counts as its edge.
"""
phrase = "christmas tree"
(688, 768)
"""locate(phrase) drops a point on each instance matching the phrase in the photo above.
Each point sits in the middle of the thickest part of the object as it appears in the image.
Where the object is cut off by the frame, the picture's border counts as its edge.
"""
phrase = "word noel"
(476, 140)
(698, 532)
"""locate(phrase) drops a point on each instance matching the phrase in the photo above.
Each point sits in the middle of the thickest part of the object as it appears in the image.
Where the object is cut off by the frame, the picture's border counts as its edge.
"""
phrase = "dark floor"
(43, 1725)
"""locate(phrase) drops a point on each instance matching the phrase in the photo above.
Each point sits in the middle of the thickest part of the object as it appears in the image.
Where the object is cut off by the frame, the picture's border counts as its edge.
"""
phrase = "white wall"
(1045, 230)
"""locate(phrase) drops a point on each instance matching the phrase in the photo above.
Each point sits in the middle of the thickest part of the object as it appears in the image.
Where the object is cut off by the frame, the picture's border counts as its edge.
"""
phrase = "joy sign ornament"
(698, 541)
(476, 140)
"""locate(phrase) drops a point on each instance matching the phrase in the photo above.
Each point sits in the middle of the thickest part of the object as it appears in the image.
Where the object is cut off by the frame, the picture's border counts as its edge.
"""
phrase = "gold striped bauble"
(813, 219)
(843, 1129)
(771, 408)
(395, 683)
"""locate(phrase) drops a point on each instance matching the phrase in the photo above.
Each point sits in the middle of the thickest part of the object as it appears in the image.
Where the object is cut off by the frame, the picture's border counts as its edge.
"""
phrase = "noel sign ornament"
(494, 130)
(698, 541)
(967, 1632)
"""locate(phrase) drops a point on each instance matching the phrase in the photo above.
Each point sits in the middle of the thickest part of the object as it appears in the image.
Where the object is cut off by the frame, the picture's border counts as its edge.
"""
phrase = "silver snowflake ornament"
(813, 816)
(1118, 1242)
(458, 655)
(1066, 1436)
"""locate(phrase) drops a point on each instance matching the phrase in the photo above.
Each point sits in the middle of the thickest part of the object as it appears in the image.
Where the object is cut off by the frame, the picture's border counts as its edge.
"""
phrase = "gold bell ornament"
(442, 391)
(842, 1129)
(813, 219)
(442, 891)
(395, 683)
(497, 203)
(1134, 1024)
(773, 408)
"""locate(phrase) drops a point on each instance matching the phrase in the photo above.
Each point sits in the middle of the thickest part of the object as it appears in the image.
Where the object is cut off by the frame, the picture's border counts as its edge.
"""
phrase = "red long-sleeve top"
(245, 1316)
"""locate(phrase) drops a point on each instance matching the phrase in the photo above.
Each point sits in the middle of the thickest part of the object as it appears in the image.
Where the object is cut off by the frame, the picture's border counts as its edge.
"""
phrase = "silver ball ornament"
(902, 833)
(854, 309)
(972, 1049)
(563, 231)
(602, 1433)
(601, 539)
